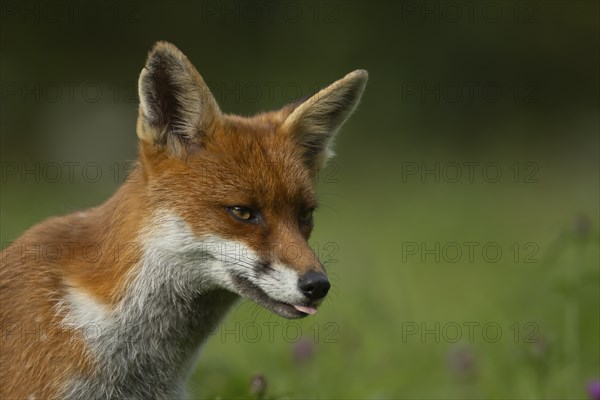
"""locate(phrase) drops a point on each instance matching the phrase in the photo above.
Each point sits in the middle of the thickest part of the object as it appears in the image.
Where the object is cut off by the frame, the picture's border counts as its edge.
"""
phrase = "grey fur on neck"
(146, 347)
(152, 358)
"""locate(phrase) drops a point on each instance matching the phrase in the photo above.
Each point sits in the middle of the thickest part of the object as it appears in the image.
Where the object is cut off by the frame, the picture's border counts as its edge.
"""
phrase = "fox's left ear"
(314, 123)
(177, 108)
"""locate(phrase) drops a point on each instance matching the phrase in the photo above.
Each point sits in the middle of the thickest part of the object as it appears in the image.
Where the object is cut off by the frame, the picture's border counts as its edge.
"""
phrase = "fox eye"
(305, 216)
(242, 213)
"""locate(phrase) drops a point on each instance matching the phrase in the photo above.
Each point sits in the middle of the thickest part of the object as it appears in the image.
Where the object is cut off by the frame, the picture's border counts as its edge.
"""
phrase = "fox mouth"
(253, 292)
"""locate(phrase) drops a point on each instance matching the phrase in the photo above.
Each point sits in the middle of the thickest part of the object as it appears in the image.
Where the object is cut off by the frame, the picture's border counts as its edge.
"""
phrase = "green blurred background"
(479, 130)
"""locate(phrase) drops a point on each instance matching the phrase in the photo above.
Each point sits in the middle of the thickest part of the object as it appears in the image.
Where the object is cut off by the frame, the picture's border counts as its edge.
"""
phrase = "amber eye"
(242, 213)
(305, 216)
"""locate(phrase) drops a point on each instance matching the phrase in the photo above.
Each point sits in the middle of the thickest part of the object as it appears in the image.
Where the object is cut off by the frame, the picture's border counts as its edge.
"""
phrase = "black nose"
(314, 285)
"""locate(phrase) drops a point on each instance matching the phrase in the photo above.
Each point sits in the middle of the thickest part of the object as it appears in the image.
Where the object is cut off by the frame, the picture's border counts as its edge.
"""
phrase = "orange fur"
(220, 161)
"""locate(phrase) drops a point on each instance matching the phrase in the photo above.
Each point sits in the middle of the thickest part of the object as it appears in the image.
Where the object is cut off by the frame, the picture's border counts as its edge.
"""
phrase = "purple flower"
(303, 351)
(593, 389)
(539, 348)
(582, 226)
(462, 362)
(258, 385)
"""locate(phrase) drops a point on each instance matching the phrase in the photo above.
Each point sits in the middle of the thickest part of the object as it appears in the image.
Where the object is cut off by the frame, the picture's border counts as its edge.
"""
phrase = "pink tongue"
(306, 310)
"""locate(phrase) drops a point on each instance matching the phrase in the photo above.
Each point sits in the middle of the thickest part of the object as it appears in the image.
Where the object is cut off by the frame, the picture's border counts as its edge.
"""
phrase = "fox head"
(237, 193)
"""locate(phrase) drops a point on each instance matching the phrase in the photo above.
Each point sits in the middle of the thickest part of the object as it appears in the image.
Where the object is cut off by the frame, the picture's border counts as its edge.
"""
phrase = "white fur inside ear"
(144, 111)
(315, 123)
(141, 94)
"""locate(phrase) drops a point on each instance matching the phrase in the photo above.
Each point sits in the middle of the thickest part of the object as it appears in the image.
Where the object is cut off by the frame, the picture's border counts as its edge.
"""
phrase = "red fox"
(134, 287)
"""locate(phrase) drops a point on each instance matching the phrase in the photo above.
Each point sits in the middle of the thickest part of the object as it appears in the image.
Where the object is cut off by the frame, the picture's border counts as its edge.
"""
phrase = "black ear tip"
(163, 50)
(361, 74)
(163, 45)
(359, 78)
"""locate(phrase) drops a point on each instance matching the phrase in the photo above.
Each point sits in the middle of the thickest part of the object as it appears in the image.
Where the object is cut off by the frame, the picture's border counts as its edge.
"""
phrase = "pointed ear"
(314, 123)
(176, 107)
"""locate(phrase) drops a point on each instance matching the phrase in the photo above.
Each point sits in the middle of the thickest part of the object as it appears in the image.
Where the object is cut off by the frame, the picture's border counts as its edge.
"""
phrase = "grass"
(535, 325)
(396, 325)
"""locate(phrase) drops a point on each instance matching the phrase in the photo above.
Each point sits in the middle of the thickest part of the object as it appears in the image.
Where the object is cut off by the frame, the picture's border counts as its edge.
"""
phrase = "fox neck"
(151, 327)
(154, 342)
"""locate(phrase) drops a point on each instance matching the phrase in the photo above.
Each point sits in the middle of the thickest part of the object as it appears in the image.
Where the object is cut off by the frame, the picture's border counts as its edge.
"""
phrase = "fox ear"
(314, 123)
(176, 106)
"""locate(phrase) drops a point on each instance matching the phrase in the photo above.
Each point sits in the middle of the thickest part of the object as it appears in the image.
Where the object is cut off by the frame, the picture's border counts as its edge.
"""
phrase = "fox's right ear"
(313, 123)
(177, 108)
